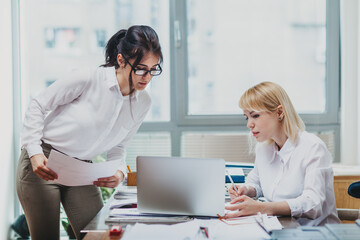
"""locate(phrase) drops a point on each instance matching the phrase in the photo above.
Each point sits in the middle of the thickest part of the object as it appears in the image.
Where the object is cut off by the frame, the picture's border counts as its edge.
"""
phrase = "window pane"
(148, 144)
(231, 146)
(59, 35)
(234, 44)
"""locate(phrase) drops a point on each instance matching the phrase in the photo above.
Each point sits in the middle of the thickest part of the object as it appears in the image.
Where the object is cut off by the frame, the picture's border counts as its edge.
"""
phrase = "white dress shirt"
(84, 115)
(300, 174)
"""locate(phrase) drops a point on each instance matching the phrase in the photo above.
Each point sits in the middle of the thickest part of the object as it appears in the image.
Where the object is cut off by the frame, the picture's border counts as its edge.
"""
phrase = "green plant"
(106, 193)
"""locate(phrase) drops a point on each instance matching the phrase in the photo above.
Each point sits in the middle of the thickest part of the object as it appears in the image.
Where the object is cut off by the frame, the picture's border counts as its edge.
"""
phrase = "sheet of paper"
(187, 230)
(123, 194)
(73, 172)
(245, 231)
(119, 212)
(116, 203)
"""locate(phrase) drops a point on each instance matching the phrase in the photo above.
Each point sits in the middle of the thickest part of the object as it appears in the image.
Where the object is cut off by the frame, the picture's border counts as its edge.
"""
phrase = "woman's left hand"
(245, 206)
(110, 182)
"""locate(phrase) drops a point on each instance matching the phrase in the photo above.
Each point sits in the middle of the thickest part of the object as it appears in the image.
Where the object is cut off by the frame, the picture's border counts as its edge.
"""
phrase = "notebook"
(181, 186)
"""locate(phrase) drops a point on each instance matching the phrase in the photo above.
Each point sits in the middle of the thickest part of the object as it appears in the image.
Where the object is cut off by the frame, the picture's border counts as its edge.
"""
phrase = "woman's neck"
(123, 84)
(280, 140)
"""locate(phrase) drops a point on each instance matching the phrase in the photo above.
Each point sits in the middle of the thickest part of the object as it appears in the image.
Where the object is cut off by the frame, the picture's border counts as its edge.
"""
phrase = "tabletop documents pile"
(123, 210)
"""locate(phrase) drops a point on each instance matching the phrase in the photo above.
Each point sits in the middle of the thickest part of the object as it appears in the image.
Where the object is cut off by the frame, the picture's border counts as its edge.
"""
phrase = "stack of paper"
(189, 230)
(133, 215)
(126, 193)
(119, 203)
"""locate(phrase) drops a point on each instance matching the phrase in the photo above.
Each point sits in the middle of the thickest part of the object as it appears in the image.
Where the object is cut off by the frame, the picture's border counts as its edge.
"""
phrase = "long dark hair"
(133, 43)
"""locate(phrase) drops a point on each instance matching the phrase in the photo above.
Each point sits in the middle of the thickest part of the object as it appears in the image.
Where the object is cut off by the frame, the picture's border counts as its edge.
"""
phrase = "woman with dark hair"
(85, 114)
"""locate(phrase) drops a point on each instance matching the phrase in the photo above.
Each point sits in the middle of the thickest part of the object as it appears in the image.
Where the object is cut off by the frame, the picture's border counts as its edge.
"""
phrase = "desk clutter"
(123, 211)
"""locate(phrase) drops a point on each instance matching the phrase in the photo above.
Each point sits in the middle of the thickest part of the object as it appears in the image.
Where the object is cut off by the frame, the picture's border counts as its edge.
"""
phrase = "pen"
(205, 231)
(231, 180)
(128, 168)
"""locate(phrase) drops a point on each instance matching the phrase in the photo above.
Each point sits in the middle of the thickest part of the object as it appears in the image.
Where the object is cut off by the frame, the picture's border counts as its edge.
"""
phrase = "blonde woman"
(292, 167)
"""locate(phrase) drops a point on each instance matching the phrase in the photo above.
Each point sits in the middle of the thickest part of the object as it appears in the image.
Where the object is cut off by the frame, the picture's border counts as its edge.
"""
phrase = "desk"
(97, 229)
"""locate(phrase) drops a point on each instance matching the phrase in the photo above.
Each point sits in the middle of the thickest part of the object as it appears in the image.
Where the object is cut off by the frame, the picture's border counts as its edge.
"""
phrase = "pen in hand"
(231, 180)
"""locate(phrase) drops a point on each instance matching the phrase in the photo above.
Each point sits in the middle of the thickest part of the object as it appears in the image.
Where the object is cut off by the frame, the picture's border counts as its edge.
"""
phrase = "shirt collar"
(110, 77)
(111, 82)
(285, 152)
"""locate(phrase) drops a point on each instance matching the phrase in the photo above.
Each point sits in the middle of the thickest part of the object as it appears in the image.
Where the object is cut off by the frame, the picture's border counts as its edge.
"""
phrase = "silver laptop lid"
(183, 186)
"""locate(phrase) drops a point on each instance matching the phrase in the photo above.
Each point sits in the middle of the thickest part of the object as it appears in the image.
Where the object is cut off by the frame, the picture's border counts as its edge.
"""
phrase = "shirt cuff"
(295, 207)
(122, 168)
(257, 188)
(34, 149)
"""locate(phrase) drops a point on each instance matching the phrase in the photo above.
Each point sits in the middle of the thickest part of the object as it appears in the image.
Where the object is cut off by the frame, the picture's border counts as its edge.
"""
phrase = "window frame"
(181, 121)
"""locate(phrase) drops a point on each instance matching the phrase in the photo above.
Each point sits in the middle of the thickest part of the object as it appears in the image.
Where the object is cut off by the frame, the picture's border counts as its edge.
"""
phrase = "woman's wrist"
(250, 191)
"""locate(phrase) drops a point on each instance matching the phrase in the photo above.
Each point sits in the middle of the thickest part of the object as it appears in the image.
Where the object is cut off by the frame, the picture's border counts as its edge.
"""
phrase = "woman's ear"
(280, 112)
(120, 60)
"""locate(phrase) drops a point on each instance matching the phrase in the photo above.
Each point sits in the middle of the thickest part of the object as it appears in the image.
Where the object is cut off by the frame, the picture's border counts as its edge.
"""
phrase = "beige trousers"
(41, 199)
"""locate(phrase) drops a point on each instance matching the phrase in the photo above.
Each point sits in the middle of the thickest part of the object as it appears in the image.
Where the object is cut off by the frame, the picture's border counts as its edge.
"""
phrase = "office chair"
(20, 227)
(351, 214)
(354, 189)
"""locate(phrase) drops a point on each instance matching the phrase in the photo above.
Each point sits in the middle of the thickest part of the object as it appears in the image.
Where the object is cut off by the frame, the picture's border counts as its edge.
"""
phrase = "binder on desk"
(237, 175)
(246, 167)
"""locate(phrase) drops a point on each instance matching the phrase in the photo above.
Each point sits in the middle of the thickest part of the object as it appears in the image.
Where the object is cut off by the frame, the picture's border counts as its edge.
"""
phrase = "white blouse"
(300, 174)
(84, 115)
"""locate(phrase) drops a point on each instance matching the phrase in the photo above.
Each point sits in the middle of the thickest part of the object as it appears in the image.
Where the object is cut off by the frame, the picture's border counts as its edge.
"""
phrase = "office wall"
(7, 187)
(350, 87)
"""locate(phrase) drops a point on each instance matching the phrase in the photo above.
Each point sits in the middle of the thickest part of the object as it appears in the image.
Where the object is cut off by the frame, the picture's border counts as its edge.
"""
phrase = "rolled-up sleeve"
(318, 174)
(253, 180)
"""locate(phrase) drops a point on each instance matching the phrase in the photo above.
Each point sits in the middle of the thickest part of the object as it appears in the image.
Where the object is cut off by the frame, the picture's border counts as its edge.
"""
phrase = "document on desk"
(123, 194)
(124, 212)
(133, 215)
(116, 203)
(180, 231)
(269, 223)
(192, 230)
(74, 172)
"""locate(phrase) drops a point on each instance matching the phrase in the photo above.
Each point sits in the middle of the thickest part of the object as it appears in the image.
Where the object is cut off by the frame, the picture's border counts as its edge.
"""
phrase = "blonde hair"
(268, 96)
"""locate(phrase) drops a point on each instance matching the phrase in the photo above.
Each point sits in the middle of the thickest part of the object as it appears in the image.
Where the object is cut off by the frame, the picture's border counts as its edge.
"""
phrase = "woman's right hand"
(241, 190)
(38, 162)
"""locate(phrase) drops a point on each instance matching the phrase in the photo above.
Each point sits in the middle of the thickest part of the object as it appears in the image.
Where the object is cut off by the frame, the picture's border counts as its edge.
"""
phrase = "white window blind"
(232, 147)
(148, 144)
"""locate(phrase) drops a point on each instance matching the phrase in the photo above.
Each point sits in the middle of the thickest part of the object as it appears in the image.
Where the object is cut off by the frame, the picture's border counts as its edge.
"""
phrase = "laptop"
(181, 186)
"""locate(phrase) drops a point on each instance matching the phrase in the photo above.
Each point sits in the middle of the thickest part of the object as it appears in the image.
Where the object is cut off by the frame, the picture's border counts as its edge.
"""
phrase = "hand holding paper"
(74, 172)
(38, 163)
(110, 182)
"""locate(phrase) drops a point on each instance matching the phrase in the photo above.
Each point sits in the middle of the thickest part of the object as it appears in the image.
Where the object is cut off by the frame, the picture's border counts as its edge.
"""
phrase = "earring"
(280, 118)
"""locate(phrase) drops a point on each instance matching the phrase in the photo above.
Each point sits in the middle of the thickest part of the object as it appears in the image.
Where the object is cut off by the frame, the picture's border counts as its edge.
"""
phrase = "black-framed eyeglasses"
(142, 72)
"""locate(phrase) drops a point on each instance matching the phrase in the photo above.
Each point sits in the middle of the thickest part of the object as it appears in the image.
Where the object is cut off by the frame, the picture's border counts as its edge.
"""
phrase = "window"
(230, 45)
(229, 51)
(211, 55)
(62, 40)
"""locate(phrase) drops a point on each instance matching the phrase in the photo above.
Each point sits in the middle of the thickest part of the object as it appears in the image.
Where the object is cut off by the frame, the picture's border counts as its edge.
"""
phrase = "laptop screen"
(181, 186)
